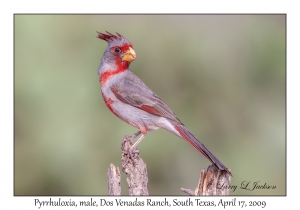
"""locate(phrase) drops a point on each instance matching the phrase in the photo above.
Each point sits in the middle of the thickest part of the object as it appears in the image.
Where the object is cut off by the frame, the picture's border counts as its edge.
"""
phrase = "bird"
(131, 100)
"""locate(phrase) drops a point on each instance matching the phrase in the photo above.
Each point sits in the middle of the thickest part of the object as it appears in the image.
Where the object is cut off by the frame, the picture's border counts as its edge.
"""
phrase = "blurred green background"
(223, 76)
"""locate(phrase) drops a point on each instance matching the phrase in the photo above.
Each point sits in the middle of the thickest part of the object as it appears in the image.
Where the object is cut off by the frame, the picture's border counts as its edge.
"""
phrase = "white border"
(6, 76)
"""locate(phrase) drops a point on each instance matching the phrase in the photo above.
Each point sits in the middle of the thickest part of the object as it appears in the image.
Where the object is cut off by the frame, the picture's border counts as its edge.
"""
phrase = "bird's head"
(119, 51)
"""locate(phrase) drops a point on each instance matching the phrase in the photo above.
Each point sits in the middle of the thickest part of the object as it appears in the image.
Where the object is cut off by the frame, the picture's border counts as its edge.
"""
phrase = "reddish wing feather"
(150, 109)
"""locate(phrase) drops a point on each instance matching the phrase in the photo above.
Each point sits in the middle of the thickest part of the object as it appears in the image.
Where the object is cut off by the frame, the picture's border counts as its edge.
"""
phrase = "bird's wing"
(132, 90)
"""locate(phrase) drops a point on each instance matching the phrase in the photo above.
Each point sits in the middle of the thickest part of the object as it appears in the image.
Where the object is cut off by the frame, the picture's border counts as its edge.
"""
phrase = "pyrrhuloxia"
(132, 101)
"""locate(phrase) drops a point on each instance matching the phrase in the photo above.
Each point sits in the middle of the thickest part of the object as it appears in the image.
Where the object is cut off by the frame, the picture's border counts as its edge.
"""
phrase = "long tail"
(190, 138)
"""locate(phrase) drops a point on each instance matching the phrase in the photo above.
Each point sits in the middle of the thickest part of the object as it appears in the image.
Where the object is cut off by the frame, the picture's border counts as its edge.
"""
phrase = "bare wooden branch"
(114, 178)
(211, 182)
(136, 168)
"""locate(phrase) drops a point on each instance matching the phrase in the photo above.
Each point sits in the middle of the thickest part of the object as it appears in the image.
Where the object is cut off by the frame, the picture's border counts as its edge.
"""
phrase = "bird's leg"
(125, 149)
(130, 138)
(132, 150)
(133, 147)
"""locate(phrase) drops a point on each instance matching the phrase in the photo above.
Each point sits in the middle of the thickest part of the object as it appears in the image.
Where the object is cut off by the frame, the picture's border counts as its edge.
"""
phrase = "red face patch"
(122, 49)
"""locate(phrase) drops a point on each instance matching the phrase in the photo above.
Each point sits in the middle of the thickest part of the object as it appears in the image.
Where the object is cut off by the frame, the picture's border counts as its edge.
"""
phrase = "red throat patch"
(107, 74)
(121, 67)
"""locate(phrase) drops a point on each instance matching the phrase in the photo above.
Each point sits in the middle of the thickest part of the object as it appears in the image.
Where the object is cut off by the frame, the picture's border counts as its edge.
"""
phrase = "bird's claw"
(127, 138)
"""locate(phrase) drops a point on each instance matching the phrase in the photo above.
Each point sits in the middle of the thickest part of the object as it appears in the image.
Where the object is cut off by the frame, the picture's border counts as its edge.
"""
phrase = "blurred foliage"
(223, 75)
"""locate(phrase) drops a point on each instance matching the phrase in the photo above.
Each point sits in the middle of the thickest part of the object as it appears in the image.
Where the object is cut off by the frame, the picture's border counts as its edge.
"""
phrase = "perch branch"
(136, 170)
(211, 182)
(114, 178)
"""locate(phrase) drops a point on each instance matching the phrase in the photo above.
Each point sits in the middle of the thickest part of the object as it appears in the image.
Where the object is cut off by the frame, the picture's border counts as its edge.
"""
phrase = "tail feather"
(190, 138)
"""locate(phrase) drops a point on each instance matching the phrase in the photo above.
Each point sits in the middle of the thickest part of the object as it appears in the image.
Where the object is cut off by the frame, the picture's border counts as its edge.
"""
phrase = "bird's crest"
(114, 40)
(110, 37)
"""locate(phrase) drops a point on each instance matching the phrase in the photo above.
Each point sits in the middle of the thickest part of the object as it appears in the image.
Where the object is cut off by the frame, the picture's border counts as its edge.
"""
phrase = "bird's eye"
(117, 50)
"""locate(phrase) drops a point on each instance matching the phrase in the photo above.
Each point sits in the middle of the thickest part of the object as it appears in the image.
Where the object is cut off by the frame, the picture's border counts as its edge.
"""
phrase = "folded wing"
(131, 90)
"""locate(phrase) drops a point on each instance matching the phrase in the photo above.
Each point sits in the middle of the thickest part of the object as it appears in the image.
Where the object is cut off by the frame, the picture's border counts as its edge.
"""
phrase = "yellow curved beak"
(129, 55)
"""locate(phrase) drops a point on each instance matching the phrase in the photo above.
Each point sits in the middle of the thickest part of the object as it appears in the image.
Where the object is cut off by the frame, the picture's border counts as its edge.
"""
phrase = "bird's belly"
(135, 116)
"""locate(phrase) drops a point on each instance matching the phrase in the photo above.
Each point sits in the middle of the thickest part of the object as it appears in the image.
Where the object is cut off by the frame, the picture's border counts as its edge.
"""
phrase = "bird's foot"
(128, 138)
